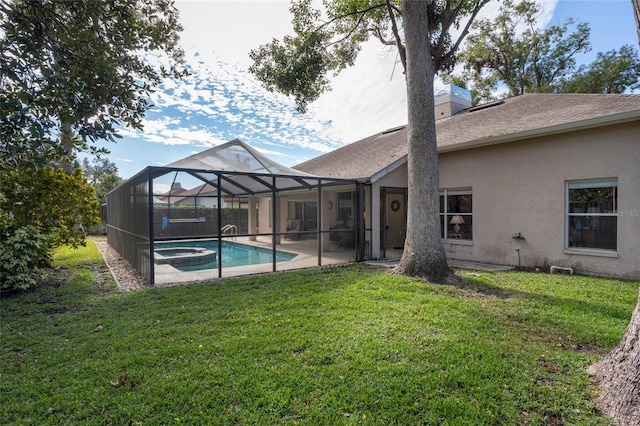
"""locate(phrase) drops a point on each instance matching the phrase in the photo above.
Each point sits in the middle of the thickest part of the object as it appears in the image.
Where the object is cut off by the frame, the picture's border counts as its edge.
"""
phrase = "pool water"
(233, 254)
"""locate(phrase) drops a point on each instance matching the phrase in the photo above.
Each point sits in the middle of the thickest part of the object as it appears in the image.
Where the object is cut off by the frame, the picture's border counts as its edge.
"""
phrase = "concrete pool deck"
(307, 257)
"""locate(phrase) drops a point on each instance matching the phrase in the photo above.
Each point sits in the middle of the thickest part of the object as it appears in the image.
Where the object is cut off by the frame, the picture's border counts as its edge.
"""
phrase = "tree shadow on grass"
(567, 314)
(603, 307)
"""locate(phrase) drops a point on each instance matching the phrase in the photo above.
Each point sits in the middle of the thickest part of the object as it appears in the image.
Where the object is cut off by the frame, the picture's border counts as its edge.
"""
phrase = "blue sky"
(221, 100)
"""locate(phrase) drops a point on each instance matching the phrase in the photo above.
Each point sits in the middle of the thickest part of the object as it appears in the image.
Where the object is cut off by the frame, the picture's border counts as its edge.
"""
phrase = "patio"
(307, 257)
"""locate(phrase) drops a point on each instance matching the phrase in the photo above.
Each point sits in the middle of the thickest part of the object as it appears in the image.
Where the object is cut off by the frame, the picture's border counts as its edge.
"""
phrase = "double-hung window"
(592, 214)
(456, 214)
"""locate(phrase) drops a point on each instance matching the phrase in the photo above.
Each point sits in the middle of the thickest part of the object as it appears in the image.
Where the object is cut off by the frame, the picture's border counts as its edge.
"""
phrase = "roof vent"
(487, 105)
(450, 100)
(393, 129)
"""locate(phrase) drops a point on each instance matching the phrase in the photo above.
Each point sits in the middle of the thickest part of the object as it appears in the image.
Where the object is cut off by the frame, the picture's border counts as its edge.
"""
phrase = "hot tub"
(184, 256)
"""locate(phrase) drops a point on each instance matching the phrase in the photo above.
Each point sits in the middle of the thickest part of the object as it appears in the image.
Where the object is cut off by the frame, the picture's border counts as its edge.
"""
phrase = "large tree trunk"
(423, 251)
(618, 375)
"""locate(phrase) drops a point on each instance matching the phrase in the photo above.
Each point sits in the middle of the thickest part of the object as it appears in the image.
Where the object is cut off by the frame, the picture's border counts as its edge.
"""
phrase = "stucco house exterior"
(533, 180)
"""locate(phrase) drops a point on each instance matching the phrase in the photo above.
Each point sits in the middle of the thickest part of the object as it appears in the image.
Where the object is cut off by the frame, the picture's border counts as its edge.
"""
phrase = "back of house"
(533, 181)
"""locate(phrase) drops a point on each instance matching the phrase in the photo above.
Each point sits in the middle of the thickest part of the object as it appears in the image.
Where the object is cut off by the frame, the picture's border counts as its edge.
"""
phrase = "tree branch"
(378, 34)
(479, 5)
(446, 24)
(356, 12)
(361, 14)
(401, 50)
(350, 31)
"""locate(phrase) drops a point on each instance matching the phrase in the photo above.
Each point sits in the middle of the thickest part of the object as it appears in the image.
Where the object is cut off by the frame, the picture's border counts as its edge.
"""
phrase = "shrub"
(40, 209)
(22, 256)
(54, 201)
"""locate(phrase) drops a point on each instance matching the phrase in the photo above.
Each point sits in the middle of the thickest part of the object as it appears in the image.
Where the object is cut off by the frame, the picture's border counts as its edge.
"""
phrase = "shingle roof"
(511, 119)
(360, 159)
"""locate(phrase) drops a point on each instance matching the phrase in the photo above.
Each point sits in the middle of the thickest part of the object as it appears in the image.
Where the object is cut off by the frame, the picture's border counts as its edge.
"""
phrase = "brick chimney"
(450, 100)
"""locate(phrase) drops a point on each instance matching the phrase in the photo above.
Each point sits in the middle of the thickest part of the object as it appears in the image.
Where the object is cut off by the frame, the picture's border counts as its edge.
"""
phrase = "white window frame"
(588, 183)
(445, 213)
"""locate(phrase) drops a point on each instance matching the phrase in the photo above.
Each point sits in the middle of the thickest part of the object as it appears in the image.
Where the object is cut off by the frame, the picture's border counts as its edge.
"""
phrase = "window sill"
(591, 252)
(458, 242)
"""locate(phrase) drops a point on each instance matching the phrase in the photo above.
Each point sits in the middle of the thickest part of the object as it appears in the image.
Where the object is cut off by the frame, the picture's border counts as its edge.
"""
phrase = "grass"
(347, 345)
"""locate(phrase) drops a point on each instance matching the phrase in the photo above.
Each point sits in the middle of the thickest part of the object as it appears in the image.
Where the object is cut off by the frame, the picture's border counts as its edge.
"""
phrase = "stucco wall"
(264, 215)
(520, 187)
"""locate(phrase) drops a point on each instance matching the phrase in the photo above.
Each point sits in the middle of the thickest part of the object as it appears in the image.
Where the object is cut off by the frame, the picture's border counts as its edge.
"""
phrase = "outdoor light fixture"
(457, 220)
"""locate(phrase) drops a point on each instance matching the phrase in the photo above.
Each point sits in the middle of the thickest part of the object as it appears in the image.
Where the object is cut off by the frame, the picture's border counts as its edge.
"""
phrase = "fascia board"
(589, 123)
(388, 169)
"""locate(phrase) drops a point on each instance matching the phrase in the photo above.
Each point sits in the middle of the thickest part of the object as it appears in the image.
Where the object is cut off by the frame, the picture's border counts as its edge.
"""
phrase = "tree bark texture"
(423, 254)
(66, 136)
(618, 377)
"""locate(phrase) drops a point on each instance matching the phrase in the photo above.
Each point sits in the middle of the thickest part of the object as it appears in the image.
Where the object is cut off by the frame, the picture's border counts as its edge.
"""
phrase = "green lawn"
(347, 345)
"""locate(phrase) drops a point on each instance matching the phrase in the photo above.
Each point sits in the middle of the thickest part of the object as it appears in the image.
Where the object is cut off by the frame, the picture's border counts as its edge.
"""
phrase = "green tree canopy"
(71, 72)
(105, 184)
(512, 50)
(616, 71)
(102, 174)
(98, 166)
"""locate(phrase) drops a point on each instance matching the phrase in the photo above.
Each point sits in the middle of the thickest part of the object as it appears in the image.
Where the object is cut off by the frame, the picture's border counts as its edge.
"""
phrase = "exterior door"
(394, 221)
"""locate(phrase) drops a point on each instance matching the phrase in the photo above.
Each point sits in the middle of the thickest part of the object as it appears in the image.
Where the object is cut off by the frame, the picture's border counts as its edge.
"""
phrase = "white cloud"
(366, 98)
(125, 160)
(226, 101)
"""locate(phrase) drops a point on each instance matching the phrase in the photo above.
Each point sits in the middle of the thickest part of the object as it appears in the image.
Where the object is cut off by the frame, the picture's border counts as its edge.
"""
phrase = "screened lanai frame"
(134, 209)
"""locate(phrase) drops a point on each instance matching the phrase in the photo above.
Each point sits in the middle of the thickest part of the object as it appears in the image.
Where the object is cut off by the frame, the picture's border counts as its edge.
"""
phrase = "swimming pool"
(233, 254)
